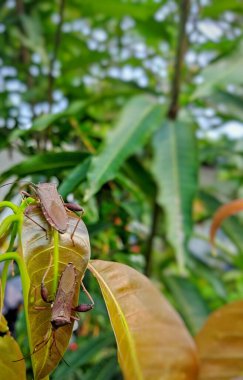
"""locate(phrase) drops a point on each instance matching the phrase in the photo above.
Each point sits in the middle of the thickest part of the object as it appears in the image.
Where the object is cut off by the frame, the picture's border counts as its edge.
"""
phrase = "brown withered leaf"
(152, 341)
(220, 344)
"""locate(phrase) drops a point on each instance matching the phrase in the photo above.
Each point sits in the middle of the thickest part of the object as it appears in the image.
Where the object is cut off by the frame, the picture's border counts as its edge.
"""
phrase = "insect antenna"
(55, 344)
(21, 180)
(45, 341)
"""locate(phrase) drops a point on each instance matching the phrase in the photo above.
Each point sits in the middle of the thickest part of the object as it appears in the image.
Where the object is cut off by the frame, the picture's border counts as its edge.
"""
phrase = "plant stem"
(25, 284)
(181, 47)
(149, 249)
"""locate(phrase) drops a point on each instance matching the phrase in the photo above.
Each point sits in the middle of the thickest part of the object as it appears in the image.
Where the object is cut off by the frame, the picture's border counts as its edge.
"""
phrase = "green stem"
(25, 285)
(56, 259)
(10, 205)
(7, 222)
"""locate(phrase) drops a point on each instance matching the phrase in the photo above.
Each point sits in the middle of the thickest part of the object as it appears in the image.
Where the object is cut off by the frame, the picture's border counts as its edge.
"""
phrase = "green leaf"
(43, 162)
(152, 341)
(83, 355)
(75, 177)
(190, 303)
(139, 119)
(175, 171)
(222, 72)
(104, 370)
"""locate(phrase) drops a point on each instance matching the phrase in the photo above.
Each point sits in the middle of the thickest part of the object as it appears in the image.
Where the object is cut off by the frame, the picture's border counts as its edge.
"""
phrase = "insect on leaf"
(152, 341)
(38, 247)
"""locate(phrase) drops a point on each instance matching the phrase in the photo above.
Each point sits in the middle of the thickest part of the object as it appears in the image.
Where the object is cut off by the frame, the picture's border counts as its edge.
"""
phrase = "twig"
(181, 45)
(57, 41)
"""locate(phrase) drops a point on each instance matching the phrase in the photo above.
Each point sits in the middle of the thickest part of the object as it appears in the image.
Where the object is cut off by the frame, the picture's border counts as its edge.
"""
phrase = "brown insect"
(62, 309)
(53, 207)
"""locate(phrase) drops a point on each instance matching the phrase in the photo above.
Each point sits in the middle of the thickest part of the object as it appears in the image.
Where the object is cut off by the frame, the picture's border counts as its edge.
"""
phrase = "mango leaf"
(220, 344)
(38, 247)
(152, 341)
(220, 73)
(74, 178)
(42, 162)
(139, 119)
(9, 351)
(190, 303)
(222, 213)
(175, 171)
(89, 349)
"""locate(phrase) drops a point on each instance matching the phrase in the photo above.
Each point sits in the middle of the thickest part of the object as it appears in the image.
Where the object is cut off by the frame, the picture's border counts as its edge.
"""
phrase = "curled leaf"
(152, 341)
(38, 248)
(222, 213)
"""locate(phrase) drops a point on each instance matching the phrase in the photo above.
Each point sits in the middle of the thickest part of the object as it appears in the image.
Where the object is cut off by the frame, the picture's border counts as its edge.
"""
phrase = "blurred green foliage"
(85, 91)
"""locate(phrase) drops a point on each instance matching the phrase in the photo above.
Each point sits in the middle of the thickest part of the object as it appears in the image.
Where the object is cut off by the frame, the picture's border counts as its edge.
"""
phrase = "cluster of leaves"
(85, 98)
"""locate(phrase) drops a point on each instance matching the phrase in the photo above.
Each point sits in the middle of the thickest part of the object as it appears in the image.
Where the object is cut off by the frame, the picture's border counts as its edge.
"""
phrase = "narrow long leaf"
(152, 341)
(139, 119)
(189, 300)
(175, 171)
(42, 162)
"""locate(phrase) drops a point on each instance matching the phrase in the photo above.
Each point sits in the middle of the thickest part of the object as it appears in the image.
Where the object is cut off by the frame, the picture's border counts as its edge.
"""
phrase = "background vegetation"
(135, 109)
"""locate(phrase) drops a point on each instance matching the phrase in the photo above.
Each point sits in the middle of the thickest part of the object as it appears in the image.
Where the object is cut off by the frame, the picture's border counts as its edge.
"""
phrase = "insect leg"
(84, 307)
(44, 291)
(34, 221)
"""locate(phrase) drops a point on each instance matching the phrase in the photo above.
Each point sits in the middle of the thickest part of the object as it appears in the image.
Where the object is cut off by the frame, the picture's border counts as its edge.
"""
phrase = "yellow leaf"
(220, 344)
(152, 340)
(9, 350)
(38, 248)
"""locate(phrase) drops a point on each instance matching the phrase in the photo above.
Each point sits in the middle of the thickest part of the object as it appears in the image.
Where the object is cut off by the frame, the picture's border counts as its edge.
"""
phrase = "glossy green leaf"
(189, 300)
(38, 248)
(175, 171)
(141, 116)
(152, 341)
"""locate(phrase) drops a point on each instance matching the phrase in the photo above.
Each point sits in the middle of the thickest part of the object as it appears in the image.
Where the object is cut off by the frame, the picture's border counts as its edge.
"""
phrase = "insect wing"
(52, 206)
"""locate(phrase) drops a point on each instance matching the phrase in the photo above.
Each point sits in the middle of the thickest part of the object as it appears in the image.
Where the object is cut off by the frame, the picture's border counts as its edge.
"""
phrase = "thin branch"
(181, 47)
(57, 41)
(149, 249)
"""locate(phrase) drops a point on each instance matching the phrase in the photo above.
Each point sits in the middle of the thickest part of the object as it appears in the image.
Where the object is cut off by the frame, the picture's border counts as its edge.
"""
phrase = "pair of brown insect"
(55, 213)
